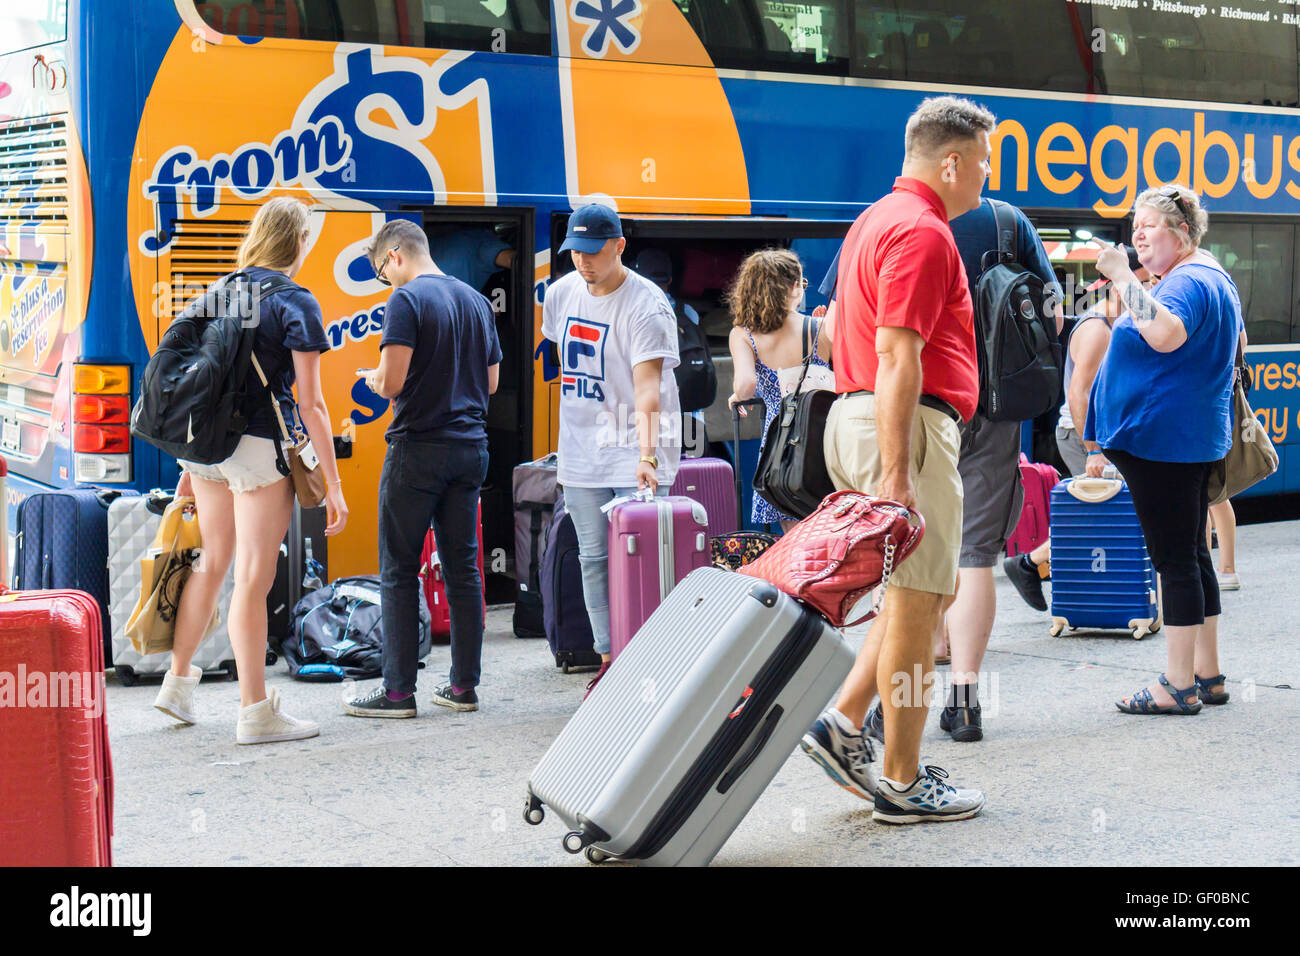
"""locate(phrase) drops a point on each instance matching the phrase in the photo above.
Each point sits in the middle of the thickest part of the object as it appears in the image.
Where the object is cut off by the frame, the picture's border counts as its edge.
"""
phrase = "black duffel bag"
(336, 632)
(791, 472)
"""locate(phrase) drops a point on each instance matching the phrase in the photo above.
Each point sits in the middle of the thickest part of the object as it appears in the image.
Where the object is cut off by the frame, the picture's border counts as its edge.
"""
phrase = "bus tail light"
(102, 439)
(101, 409)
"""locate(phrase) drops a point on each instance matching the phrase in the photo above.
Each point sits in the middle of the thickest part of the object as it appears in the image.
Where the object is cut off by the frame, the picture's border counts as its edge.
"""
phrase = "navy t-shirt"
(290, 322)
(976, 233)
(453, 334)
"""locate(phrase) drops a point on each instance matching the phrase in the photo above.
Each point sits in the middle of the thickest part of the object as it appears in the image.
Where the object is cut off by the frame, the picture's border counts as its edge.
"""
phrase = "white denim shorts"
(252, 466)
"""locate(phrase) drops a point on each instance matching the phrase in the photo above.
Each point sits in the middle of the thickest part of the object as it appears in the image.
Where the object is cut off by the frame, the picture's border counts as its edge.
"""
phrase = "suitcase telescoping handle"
(735, 432)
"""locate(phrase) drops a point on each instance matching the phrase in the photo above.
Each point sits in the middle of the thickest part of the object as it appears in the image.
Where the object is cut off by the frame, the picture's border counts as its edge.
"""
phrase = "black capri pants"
(1171, 498)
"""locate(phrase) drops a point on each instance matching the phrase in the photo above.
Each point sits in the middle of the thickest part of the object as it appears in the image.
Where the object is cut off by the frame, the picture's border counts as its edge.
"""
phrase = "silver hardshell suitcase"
(132, 524)
(691, 723)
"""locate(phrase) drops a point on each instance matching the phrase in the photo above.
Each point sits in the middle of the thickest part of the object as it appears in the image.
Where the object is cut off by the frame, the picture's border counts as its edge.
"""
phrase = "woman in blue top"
(1161, 411)
(768, 336)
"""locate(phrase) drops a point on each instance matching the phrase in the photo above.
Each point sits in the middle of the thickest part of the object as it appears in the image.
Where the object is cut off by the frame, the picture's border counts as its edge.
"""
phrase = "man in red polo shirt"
(905, 368)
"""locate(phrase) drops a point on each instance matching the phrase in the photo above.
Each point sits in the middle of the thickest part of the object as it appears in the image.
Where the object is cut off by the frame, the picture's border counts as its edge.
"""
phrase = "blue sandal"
(1208, 696)
(1143, 703)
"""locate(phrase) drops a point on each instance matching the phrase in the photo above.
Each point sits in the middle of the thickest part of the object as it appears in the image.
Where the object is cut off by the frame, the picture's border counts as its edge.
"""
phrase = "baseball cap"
(1134, 263)
(655, 265)
(590, 227)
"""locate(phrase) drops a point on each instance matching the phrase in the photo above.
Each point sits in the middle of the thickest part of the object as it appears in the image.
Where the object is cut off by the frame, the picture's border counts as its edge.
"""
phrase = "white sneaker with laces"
(263, 723)
(1228, 582)
(176, 696)
(927, 799)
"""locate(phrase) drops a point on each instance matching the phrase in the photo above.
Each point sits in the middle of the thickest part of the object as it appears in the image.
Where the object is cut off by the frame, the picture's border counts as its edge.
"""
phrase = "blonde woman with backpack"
(244, 504)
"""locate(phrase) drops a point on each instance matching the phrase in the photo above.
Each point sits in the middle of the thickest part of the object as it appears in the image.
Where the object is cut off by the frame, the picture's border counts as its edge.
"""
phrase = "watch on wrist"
(651, 460)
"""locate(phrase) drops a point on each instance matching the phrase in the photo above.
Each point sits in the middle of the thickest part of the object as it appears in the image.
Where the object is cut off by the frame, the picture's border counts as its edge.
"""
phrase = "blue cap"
(655, 265)
(590, 227)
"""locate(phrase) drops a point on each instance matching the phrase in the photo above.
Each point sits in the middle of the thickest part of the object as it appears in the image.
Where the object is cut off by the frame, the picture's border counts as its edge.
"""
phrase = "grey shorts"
(1070, 445)
(992, 493)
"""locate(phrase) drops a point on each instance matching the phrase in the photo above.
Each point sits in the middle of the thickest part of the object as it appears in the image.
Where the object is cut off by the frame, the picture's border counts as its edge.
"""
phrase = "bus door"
(488, 247)
(703, 254)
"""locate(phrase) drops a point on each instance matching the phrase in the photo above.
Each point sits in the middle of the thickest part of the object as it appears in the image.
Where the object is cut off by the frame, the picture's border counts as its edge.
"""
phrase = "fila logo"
(582, 357)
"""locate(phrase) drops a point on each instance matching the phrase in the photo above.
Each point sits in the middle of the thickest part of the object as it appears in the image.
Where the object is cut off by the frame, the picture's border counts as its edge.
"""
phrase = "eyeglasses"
(803, 283)
(379, 273)
(1173, 192)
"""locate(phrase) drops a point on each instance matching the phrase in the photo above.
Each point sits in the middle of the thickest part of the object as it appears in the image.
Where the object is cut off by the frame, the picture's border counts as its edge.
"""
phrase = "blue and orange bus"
(137, 138)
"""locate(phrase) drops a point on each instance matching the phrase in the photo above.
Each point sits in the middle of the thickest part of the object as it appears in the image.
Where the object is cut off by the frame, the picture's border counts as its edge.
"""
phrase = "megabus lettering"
(296, 157)
(1117, 158)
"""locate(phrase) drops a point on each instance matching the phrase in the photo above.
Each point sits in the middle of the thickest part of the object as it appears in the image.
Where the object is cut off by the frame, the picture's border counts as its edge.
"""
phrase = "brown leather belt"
(929, 401)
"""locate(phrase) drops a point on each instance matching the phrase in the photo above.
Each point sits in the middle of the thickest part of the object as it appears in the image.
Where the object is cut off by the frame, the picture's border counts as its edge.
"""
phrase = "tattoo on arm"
(1140, 304)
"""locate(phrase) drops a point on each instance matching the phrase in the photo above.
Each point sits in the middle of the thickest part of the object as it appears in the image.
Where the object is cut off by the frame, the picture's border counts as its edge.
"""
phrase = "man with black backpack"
(1018, 317)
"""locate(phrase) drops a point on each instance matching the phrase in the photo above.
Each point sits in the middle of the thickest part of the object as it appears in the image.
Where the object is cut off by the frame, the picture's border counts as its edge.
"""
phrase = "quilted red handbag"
(845, 549)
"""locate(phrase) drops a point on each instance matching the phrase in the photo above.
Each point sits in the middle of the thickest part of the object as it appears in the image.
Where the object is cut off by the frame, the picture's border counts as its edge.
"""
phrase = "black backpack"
(196, 396)
(1015, 333)
(697, 380)
(336, 632)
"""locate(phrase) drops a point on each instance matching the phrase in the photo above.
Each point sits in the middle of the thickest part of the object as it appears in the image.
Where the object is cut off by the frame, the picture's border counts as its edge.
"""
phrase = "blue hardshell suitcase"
(1102, 577)
(62, 544)
(564, 610)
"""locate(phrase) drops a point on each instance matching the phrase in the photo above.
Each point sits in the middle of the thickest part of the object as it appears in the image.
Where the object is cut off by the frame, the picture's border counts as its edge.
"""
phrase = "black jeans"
(1171, 498)
(427, 483)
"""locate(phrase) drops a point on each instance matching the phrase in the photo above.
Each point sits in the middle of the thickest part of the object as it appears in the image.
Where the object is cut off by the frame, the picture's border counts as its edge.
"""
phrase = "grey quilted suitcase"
(132, 524)
(691, 723)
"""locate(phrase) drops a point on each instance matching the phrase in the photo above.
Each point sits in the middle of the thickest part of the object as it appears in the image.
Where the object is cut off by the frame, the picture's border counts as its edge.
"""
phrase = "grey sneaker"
(927, 799)
(846, 758)
(466, 700)
(875, 723)
(377, 704)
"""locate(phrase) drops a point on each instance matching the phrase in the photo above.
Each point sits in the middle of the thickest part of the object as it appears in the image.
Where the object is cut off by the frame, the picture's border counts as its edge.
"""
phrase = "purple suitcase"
(652, 545)
(711, 482)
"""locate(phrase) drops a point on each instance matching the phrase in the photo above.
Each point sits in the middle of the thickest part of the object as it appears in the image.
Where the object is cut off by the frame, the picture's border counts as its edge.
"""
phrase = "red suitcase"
(1038, 480)
(435, 589)
(711, 482)
(652, 545)
(56, 773)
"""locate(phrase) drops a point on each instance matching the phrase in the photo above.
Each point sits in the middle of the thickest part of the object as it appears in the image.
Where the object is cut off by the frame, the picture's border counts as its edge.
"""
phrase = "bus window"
(504, 26)
(772, 35)
(32, 24)
(1081, 48)
(1260, 259)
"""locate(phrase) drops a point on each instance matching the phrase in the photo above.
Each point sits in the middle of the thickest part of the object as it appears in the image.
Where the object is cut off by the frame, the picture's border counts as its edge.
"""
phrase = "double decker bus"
(137, 139)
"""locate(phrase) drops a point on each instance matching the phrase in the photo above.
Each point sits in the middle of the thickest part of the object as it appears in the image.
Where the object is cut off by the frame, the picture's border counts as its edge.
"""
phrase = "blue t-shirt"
(468, 254)
(1172, 406)
(453, 334)
(976, 233)
(290, 322)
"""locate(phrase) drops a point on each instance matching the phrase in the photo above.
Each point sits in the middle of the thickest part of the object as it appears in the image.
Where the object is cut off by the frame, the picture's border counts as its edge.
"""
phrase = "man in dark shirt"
(439, 362)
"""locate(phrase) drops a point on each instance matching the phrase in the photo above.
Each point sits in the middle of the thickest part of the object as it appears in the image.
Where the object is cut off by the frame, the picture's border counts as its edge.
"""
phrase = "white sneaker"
(263, 723)
(1228, 582)
(176, 696)
(927, 799)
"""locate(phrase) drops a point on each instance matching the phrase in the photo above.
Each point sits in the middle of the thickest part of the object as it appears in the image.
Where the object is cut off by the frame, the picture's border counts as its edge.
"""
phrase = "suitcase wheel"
(533, 812)
(1140, 632)
(271, 658)
(126, 675)
(232, 672)
(574, 841)
(1057, 628)
(595, 856)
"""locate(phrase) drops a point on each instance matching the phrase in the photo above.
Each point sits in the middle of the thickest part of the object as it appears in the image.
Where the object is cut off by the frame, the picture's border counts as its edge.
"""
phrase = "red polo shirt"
(900, 267)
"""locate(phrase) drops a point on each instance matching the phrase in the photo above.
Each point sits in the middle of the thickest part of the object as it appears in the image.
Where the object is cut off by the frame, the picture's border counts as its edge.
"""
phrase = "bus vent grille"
(202, 251)
(34, 173)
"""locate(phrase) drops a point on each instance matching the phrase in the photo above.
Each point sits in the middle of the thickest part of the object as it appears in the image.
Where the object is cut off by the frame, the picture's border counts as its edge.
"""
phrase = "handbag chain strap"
(887, 571)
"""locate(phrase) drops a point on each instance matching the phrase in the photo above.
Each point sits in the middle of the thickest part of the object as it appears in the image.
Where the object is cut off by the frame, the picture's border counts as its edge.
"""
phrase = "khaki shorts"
(853, 460)
(252, 466)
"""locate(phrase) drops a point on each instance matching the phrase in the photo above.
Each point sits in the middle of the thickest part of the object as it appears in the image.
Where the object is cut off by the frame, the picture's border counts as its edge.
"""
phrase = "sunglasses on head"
(1174, 193)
